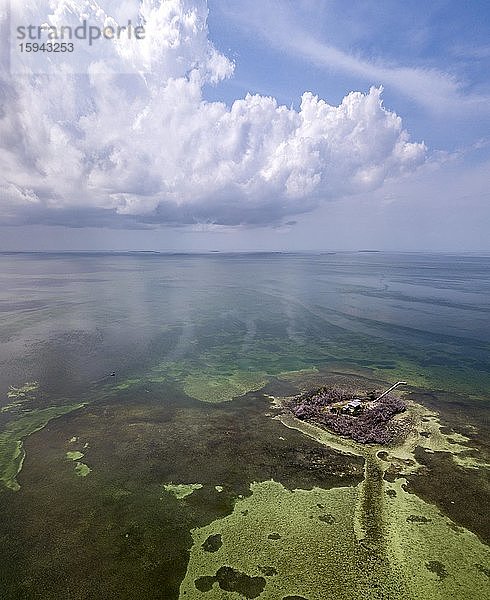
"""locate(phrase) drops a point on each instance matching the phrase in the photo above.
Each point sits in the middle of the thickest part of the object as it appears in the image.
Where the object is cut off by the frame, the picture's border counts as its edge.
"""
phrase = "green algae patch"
(426, 432)
(11, 458)
(23, 391)
(201, 382)
(182, 490)
(439, 559)
(127, 384)
(20, 396)
(281, 529)
(82, 470)
(74, 455)
(220, 388)
(207, 385)
(295, 375)
(11, 448)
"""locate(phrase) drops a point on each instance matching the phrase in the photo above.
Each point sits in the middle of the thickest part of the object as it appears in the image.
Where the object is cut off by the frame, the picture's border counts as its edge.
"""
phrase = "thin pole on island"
(391, 388)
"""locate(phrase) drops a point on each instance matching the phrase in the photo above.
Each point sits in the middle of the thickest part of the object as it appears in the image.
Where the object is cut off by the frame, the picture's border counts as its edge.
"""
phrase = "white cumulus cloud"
(125, 138)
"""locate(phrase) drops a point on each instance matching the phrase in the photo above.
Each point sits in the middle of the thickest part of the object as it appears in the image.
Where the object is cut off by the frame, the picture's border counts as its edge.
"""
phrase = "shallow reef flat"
(124, 531)
(12, 452)
(282, 542)
(182, 490)
(183, 498)
(309, 544)
(434, 556)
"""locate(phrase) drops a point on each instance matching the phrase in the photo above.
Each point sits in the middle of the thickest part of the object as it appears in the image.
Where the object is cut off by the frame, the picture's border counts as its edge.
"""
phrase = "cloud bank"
(129, 141)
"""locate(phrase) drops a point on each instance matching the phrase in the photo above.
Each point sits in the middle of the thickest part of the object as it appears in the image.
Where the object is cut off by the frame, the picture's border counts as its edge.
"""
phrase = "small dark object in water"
(113, 374)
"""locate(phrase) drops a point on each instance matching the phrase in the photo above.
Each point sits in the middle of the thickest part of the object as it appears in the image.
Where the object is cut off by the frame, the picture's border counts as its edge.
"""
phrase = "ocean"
(137, 433)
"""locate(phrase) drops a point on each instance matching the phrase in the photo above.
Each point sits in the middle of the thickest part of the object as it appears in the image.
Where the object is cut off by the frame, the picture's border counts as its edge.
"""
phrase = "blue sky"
(403, 169)
(450, 38)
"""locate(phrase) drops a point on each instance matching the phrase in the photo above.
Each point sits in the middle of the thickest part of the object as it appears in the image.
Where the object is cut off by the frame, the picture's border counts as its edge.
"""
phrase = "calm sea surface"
(67, 320)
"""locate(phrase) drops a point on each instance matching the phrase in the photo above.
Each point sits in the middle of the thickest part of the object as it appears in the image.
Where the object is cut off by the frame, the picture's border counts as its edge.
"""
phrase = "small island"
(367, 418)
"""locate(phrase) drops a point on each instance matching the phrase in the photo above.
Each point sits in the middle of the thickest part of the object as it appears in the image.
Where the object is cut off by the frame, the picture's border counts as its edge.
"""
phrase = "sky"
(247, 125)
